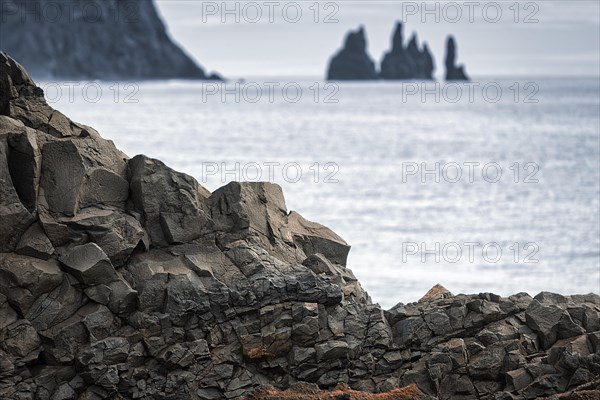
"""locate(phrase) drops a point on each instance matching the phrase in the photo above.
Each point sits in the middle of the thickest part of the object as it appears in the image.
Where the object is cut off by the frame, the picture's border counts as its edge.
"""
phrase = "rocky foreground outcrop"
(93, 39)
(123, 279)
(408, 62)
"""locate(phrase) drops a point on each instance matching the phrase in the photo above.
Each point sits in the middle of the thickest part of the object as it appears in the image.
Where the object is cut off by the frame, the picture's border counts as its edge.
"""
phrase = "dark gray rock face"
(408, 62)
(93, 39)
(352, 62)
(167, 291)
(170, 202)
(454, 72)
(15, 216)
(89, 264)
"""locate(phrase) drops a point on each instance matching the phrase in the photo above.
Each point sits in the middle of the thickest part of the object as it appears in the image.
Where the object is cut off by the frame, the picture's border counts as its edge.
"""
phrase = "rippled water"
(370, 135)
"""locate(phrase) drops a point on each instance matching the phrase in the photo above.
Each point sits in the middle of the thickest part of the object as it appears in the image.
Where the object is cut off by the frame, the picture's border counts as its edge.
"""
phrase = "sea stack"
(93, 39)
(407, 62)
(453, 72)
(121, 278)
(353, 62)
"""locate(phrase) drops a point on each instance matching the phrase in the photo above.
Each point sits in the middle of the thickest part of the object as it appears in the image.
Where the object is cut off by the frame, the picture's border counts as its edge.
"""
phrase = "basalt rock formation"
(400, 63)
(408, 62)
(352, 62)
(121, 278)
(93, 39)
(453, 72)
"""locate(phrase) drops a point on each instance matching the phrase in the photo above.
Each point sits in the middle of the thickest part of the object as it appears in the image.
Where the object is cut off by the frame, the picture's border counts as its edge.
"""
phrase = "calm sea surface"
(486, 193)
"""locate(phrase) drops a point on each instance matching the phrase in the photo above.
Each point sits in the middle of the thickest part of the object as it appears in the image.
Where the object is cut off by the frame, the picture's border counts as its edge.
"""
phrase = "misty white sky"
(565, 40)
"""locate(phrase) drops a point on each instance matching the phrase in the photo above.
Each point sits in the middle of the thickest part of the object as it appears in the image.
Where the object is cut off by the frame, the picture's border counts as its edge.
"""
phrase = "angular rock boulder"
(118, 234)
(35, 243)
(72, 177)
(315, 238)
(89, 264)
(171, 202)
(24, 279)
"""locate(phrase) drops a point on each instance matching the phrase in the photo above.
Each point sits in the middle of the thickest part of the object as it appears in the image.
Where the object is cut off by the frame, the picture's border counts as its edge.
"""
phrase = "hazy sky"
(551, 37)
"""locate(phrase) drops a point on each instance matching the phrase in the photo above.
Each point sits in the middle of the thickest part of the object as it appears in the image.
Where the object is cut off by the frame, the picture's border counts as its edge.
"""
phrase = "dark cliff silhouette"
(93, 39)
(352, 62)
(400, 63)
(453, 72)
(407, 62)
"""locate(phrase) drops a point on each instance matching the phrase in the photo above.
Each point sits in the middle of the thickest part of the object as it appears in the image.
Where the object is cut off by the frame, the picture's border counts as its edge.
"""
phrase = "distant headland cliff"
(93, 39)
(402, 62)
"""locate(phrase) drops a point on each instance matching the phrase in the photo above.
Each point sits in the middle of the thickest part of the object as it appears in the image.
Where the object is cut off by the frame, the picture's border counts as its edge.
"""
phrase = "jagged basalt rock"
(171, 203)
(157, 289)
(408, 62)
(352, 62)
(93, 39)
(89, 264)
(454, 72)
(402, 62)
